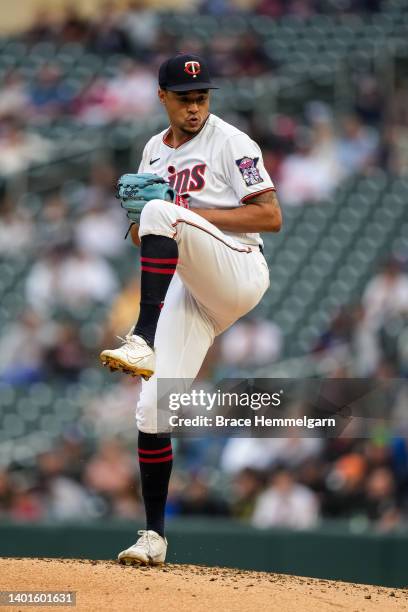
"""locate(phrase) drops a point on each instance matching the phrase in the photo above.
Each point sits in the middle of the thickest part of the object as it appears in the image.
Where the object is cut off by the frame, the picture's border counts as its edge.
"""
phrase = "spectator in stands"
(311, 173)
(74, 28)
(264, 453)
(95, 103)
(140, 24)
(386, 295)
(250, 343)
(26, 503)
(302, 9)
(42, 281)
(394, 150)
(73, 446)
(14, 97)
(100, 190)
(128, 505)
(164, 46)
(349, 342)
(106, 35)
(217, 8)
(221, 56)
(339, 334)
(286, 504)
(357, 146)
(246, 487)
(402, 351)
(111, 472)
(270, 8)
(53, 226)
(70, 279)
(251, 57)
(85, 278)
(197, 499)
(62, 496)
(311, 473)
(22, 348)
(49, 95)
(395, 136)
(377, 451)
(369, 105)
(43, 27)
(101, 231)
(380, 502)
(112, 410)
(344, 485)
(65, 359)
(16, 231)
(324, 145)
(133, 91)
(19, 148)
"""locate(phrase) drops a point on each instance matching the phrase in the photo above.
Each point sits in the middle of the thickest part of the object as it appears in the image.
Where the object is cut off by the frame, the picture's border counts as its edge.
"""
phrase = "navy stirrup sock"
(156, 461)
(159, 258)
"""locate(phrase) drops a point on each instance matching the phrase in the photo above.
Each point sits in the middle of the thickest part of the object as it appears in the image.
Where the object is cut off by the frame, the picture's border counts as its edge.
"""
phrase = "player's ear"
(161, 93)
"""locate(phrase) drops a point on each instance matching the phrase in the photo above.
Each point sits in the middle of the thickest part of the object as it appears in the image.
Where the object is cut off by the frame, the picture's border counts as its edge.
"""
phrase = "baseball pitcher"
(197, 205)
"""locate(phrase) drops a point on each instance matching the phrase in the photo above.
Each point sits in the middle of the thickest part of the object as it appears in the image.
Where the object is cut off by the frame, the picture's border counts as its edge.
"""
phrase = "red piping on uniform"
(244, 250)
(251, 195)
(186, 139)
(181, 143)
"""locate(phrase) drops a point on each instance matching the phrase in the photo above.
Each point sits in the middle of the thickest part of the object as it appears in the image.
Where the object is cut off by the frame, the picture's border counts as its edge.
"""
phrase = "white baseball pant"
(218, 280)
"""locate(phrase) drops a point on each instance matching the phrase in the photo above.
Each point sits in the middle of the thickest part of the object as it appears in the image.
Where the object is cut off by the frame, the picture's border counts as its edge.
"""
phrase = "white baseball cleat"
(134, 357)
(150, 549)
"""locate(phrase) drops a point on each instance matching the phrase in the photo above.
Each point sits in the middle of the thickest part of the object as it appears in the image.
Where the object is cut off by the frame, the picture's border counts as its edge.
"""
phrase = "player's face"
(187, 110)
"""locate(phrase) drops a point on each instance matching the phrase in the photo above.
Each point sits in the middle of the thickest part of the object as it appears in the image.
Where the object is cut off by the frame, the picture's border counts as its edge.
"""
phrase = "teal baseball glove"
(135, 190)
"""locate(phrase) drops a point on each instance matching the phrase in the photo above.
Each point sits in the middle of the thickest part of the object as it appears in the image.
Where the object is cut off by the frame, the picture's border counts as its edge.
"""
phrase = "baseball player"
(202, 263)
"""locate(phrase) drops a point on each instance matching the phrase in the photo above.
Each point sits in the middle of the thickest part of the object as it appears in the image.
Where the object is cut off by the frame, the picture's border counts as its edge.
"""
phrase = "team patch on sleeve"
(249, 171)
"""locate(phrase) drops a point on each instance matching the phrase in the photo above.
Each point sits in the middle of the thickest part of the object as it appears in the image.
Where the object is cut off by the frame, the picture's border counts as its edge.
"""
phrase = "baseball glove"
(135, 190)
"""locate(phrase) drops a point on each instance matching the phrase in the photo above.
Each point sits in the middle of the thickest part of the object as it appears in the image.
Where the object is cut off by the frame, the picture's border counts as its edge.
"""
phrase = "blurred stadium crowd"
(293, 483)
(68, 284)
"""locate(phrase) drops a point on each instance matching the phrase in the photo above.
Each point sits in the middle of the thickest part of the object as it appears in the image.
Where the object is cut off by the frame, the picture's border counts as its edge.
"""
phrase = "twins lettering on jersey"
(188, 179)
(219, 168)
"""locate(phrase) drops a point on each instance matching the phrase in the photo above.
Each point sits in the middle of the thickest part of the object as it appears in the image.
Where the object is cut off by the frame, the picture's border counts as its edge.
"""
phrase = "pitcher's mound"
(105, 585)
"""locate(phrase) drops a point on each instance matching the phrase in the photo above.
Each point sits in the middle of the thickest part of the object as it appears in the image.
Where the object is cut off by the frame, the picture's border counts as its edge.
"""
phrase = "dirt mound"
(105, 585)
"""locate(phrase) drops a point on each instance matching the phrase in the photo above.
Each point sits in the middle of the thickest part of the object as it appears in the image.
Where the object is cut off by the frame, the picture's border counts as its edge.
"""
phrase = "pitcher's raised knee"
(157, 218)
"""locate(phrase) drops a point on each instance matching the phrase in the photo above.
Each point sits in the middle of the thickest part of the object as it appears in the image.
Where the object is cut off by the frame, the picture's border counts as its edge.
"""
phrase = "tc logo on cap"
(192, 68)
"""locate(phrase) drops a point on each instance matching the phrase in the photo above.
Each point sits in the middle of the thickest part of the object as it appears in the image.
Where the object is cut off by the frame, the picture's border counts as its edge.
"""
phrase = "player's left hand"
(135, 190)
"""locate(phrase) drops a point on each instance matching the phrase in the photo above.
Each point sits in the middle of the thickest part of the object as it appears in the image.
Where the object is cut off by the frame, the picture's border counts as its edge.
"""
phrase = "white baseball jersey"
(220, 167)
(219, 277)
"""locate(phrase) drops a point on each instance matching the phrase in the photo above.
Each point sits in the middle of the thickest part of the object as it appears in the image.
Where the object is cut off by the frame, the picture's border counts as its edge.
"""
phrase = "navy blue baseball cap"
(184, 73)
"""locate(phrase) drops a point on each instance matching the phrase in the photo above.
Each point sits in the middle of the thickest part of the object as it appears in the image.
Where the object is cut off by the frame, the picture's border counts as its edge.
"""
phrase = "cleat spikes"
(134, 358)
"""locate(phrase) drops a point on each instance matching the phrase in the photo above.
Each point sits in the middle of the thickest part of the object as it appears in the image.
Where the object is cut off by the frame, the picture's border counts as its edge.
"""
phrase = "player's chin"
(192, 127)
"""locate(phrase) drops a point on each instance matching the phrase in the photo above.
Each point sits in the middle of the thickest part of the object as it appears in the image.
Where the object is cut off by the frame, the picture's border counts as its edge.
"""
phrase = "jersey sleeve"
(144, 162)
(243, 167)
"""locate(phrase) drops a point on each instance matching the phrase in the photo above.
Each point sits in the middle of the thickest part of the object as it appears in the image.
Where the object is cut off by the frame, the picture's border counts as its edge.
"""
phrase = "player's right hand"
(134, 234)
